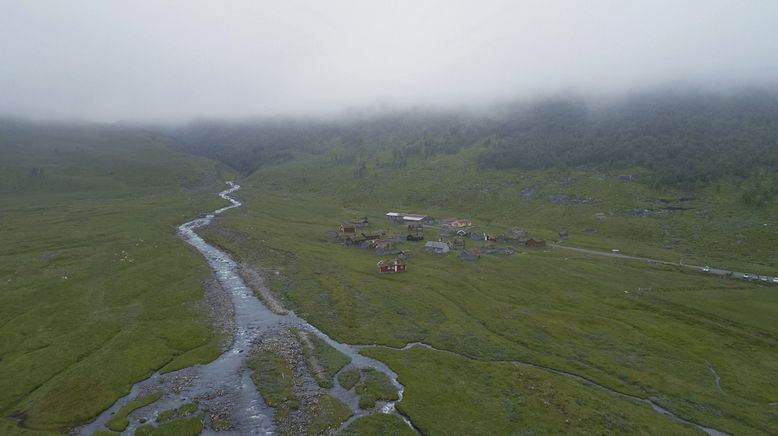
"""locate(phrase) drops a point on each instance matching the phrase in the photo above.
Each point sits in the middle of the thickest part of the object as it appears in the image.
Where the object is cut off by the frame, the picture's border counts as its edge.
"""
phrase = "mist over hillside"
(470, 217)
(663, 137)
(172, 61)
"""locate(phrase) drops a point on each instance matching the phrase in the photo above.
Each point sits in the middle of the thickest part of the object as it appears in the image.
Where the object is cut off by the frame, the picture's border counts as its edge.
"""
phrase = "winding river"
(225, 384)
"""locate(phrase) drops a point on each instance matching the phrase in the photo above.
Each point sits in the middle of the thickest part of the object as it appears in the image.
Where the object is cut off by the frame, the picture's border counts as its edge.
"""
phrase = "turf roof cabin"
(384, 266)
(359, 221)
(409, 218)
(537, 243)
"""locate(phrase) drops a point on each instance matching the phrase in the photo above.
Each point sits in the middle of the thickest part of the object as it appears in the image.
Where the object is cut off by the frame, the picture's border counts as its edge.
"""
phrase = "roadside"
(706, 269)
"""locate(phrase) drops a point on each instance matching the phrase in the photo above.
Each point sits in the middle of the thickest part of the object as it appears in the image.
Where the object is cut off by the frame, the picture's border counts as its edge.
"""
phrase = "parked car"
(706, 269)
(745, 276)
(775, 279)
(763, 278)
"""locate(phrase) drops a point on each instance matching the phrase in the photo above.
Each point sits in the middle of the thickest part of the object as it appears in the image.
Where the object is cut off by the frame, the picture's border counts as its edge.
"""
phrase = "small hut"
(347, 228)
(437, 247)
(388, 267)
(395, 217)
(359, 221)
(536, 243)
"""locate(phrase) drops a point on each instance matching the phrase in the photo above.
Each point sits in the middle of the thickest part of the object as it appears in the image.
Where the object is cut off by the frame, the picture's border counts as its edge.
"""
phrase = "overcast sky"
(174, 60)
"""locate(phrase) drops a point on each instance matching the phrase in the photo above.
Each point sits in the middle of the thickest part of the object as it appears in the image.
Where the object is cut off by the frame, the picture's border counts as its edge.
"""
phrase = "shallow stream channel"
(225, 385)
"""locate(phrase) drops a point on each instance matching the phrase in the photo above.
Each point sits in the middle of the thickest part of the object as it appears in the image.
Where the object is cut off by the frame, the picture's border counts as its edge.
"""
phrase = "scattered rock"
(286, 344)
(220, 311)
(254, 278)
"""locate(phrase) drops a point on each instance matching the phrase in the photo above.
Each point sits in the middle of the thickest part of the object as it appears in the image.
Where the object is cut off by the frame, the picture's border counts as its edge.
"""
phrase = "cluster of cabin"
(454, 234)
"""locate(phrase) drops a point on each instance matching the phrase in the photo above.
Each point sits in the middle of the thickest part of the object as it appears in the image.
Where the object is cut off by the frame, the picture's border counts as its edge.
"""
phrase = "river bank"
(223, 389)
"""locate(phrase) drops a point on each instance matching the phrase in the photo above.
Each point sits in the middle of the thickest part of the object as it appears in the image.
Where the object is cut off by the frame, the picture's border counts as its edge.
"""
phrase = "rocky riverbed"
(223, 389)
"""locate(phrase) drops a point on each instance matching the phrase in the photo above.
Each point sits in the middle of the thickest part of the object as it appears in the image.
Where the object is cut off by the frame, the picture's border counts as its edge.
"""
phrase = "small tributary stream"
(225, 384)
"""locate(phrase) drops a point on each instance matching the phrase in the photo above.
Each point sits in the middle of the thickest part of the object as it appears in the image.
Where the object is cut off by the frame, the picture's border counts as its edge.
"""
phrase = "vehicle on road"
(706, 269)
(615, 250)
(775, 279)
(745, 276)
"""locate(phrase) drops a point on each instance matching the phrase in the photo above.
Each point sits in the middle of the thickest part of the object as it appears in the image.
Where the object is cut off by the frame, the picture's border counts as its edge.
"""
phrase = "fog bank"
(176, 60)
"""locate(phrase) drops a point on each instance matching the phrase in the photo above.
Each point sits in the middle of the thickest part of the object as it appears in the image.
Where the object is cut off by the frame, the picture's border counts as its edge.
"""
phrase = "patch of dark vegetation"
(679, 138)
(375, 386)
(249, 145)
(181, 412)
(349, 378)
(19, 418)
(221, 422)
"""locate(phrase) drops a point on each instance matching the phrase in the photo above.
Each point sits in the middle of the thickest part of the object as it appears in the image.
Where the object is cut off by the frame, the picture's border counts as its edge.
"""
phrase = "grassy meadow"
(96, 291)
(640, 329)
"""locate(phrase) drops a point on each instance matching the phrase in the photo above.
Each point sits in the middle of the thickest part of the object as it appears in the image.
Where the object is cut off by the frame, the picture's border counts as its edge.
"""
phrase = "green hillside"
(96, 292)
(509, 332)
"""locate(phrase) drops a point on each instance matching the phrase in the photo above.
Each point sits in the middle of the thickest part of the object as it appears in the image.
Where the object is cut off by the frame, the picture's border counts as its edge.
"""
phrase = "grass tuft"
(376, 386)
(349, 378)
(120, 422)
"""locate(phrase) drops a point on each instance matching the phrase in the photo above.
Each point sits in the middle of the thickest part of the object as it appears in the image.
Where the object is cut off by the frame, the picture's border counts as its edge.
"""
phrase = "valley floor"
(505, 334)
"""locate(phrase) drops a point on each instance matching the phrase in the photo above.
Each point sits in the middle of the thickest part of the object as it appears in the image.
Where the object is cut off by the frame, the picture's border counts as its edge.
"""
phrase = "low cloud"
(175, 60)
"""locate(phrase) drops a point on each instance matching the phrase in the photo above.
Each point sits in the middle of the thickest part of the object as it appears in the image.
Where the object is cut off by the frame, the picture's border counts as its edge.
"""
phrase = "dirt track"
(714, 271)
